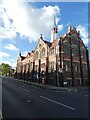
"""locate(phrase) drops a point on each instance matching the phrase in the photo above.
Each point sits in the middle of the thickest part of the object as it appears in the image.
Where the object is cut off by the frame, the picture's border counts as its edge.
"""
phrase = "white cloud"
(84, 33)
(60, 27)
(7, 29)
(24, 53)
(4, 33)
(11, 47)
(4, 54)
(28, 20)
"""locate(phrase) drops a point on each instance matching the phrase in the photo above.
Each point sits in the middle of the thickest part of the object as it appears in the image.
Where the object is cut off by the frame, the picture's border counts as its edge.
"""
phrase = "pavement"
(69, 89)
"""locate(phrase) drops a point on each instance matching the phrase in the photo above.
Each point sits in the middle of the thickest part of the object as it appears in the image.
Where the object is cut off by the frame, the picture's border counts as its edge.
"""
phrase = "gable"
(40, 45)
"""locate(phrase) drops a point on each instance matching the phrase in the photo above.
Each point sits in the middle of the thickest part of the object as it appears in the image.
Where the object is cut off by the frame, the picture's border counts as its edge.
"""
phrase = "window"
(67, 65)
(84, 67)
(52, 51)
(27, 66)
(74, 40)
(43, 65)
(43, 51)
(83, 52)
(51, 66)
(66, 48)
(23, 68)
(36, 55)
(75, 51)
(40, 46)
(31, 66)
(77, 67)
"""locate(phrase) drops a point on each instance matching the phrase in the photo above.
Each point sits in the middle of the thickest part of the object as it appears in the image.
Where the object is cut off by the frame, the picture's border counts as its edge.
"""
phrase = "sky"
(22, 22)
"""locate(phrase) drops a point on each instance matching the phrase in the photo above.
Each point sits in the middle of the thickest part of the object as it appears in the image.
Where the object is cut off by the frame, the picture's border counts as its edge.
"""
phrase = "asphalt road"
(20, 100)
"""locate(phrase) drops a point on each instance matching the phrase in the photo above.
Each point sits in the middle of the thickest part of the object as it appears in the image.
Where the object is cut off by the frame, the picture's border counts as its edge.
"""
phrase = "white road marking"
(86, 95)
(58, 103)
(28, 101)
(26, 90)
(60, 91)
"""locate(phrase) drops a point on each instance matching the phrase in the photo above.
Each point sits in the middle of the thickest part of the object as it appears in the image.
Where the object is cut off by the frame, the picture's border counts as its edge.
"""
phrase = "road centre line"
(87, 95)
(26, 90)
(57, 103)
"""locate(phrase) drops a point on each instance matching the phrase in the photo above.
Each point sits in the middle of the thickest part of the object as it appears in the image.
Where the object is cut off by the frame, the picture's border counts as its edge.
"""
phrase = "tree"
(5, 69)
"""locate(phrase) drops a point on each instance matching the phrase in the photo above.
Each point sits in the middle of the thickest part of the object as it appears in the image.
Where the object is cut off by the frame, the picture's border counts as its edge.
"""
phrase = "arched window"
(36, 55)
(66, 48)
(74, 40)
(67, 65)
(52, 51)
(75, 51)
(43, 51)
(83, 52)
(31, 66)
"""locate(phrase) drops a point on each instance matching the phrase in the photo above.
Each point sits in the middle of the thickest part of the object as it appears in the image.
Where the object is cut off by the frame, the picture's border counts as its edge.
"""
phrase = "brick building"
(62, 62)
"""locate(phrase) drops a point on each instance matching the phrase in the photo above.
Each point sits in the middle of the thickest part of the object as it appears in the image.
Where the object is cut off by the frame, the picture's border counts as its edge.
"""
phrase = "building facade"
(62, 62)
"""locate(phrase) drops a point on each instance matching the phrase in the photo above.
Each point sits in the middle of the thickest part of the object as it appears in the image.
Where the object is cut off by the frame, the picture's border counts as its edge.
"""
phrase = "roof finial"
(41, 36)
(19, 53)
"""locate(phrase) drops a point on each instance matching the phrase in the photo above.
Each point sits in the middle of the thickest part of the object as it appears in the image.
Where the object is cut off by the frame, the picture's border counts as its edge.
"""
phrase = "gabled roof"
(22, 57)
(46, 42)
(53, 44)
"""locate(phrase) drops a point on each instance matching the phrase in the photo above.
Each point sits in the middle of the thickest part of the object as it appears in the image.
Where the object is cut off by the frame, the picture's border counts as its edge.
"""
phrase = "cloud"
(28, 20)
(24, 53)
(60, 27)
(11, 47)
(7, 29)
(4, 54)
(84, 33)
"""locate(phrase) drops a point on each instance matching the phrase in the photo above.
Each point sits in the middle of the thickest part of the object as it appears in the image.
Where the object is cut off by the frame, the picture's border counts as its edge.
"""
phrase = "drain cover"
(28, 101)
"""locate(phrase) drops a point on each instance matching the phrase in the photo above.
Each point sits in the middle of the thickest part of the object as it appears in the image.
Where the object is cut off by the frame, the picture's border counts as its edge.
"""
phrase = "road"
(20, 100)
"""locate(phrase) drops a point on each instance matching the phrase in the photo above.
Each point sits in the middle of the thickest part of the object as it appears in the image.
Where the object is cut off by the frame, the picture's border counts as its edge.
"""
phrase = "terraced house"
(62, 62)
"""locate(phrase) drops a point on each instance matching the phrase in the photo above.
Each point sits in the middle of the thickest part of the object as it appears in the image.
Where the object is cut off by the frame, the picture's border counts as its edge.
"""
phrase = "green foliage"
(5, 69)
